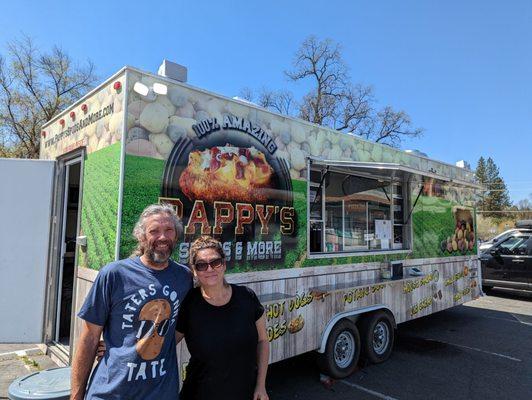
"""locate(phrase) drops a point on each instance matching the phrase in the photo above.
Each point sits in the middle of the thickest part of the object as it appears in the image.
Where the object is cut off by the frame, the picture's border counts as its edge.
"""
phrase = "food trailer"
(341, 238)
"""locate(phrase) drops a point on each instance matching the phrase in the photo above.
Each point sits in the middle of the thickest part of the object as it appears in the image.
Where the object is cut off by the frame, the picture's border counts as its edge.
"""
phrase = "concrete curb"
(21, 353)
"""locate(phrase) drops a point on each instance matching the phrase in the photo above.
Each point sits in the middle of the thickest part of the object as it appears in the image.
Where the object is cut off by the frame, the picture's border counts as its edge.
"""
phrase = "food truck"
(341, 238)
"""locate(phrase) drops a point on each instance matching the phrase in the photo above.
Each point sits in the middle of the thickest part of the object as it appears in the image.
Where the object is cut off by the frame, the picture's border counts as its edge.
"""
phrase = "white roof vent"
(244, 100)
(172, 70)
(463, 164)
(417, 153)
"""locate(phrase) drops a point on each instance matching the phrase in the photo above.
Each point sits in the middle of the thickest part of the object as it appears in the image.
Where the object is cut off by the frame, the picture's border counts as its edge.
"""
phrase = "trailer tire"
(378, 335)
(342, 351)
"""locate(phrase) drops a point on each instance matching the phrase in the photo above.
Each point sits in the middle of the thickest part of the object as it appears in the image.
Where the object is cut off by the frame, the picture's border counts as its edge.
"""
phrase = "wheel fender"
(339, 316)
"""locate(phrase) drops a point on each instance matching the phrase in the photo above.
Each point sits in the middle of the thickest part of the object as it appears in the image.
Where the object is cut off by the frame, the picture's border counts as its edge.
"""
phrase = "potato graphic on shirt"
(154, 321)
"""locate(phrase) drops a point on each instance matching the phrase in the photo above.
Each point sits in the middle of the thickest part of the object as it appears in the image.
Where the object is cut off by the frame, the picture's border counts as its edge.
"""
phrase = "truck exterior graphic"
(341, 238)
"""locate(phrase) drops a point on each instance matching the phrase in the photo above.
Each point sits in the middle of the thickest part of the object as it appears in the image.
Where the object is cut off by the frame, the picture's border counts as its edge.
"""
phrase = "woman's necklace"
(218, 300)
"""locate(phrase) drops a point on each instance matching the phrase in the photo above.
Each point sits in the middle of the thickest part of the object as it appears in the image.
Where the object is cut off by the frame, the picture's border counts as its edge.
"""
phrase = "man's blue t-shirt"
(137, 306)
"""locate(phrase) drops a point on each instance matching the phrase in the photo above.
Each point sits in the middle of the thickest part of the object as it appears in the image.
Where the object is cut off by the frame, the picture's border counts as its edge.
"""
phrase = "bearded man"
(134, 302)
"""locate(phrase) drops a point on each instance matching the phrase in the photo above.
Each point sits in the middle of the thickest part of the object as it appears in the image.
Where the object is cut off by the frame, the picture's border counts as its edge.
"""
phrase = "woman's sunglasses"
(204, 266)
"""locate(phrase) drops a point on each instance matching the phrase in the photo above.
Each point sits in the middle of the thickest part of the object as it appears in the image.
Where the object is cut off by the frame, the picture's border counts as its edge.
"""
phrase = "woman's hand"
(100, 352)
(260, 393)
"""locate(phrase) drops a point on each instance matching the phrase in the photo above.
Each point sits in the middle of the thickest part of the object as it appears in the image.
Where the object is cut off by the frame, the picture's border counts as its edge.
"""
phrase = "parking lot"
(481, 350)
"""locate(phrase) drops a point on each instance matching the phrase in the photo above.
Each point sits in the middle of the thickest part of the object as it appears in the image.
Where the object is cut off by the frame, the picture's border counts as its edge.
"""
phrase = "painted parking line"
(372, 392)
(519, 319)
(479, 350)
(523, 319)
(515, 321)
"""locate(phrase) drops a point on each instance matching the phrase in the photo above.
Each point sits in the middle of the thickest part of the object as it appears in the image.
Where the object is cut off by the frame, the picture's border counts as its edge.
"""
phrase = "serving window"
(352, 212)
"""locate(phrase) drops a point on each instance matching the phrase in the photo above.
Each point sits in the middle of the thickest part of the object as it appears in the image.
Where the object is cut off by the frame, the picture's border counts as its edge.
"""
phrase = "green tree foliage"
(34, 87)
(480, 173)
(495, 197)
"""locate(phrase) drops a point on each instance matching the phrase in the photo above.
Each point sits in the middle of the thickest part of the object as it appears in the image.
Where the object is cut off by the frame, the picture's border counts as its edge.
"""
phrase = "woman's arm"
(263, 354)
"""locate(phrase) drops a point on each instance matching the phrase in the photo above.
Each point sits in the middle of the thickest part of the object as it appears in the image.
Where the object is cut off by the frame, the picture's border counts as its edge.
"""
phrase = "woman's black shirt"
(222, 341)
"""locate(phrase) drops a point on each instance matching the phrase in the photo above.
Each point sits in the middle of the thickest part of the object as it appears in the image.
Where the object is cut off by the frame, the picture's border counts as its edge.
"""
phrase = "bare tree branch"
(392, 126)
(333, 100)
(246, 93)
(280, 101)
(34, 87)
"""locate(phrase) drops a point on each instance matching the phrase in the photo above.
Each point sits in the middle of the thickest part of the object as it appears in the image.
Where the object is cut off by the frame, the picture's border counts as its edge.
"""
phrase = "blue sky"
(461, 69)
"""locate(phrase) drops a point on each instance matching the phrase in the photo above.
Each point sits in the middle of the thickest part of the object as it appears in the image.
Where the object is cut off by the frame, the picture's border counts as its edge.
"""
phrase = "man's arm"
(84, 358)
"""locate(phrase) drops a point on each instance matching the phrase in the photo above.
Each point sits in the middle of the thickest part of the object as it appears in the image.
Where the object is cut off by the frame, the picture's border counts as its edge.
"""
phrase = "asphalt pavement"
(481, 350)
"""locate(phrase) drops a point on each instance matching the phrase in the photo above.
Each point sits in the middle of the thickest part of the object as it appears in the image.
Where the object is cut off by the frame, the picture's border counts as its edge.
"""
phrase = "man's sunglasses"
(204, 266)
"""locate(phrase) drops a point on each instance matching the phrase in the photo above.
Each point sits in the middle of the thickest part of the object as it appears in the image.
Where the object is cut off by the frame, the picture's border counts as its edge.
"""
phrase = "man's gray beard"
(157, 257)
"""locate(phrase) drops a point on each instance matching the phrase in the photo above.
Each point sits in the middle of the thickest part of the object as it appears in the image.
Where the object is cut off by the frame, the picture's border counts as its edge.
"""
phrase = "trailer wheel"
(342, 350)
(378, 336)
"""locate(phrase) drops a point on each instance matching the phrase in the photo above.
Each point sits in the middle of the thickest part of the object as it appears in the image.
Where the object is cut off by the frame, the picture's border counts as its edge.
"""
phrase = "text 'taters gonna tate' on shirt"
(222, 341)
(137, 307)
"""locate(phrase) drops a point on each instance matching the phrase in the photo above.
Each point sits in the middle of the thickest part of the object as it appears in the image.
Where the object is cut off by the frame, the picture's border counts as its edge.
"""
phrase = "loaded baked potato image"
(227, 173)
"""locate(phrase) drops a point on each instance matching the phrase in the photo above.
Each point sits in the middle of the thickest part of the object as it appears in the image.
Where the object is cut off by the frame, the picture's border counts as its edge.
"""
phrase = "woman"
(225, 330)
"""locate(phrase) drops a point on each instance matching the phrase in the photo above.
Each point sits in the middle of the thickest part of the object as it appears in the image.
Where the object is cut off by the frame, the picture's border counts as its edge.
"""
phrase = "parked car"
(508, 263)
(520, 226)
(524, 224)
(488, 244)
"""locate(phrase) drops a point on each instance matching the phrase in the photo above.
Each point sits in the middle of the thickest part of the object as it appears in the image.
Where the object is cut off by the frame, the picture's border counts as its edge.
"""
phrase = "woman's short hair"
(202, 243)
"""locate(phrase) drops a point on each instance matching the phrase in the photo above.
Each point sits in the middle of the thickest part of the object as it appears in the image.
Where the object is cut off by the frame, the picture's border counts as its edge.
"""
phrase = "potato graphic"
(296, 324)
(319, 295)
(454, 245)
(460, 234)
(156, 314)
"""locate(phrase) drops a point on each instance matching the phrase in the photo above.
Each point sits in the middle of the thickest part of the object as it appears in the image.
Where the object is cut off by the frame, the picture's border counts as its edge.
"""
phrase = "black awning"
(390, 172)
